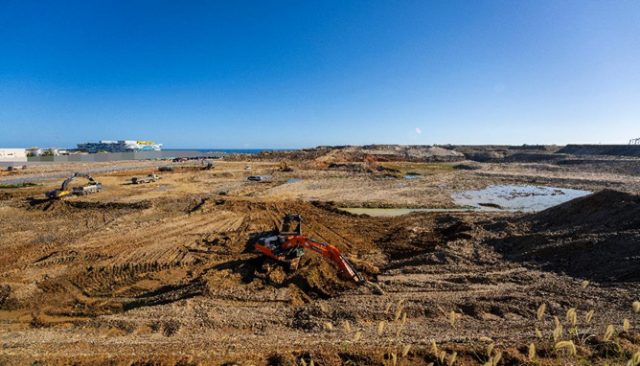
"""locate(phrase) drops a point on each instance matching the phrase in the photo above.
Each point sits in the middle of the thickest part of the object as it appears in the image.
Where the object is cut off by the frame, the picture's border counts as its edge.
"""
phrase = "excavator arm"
(326, 250)
(65, 184)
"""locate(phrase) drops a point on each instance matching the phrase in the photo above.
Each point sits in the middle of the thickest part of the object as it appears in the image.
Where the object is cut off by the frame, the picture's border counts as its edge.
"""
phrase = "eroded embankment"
(595, 237)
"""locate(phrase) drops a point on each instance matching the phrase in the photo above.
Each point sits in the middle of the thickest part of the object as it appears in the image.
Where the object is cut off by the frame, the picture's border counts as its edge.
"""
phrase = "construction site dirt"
(165, 273)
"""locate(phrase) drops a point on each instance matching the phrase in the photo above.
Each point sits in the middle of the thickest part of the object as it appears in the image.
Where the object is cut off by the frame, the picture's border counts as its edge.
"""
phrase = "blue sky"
(290, 74)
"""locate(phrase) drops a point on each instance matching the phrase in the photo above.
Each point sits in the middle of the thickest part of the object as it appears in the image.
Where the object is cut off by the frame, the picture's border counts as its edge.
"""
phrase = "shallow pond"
(499, 198)
(525, 198)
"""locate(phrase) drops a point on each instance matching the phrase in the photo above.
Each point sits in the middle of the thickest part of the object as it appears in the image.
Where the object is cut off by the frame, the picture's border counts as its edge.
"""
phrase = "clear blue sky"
(289, 74)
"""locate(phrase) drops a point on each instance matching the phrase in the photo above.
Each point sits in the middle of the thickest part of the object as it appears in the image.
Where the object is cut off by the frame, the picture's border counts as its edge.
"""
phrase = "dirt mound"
(605, 211)
(595, 237)
(615, 150)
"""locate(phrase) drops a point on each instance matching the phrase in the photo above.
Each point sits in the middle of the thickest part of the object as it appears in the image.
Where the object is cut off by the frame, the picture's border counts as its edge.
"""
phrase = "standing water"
(517, 198)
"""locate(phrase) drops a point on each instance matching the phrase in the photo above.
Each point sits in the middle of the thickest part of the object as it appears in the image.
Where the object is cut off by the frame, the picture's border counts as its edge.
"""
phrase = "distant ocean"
(231, 151)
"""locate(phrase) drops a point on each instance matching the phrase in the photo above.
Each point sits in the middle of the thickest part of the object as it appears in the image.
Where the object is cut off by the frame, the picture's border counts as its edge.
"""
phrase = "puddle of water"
(413, 176)
(503, 198)
(293, 180)
(517, 198)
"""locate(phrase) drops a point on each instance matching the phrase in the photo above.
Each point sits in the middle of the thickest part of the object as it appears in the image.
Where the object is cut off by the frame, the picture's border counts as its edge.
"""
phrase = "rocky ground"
(165, 274)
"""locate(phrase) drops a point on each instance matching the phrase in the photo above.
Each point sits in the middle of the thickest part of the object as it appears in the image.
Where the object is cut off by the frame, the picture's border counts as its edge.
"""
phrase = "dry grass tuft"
(398, 314)
(405, 350)
(386, 310)
(490, 349)
(532, 351)
(452, 359)
(541, 310)
(557, 333)
(589, 316)
(626, 325)
(357, 336)
(608, 333)
(434, 347)
(567, 345)
(497, 358)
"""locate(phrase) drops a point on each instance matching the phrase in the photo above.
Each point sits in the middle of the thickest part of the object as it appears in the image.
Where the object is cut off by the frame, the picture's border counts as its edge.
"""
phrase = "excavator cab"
(291, 225)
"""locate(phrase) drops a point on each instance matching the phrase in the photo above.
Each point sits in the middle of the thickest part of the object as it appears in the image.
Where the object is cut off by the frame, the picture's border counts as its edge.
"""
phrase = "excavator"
(289, 245)
(92, 187)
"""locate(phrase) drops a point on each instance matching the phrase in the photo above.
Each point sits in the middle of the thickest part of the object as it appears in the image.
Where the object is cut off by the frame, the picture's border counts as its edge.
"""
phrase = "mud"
(141, 275)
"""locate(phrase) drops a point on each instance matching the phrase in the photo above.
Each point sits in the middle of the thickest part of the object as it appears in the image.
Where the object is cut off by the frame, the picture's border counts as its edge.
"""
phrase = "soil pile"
(615, 150)
(595, 237)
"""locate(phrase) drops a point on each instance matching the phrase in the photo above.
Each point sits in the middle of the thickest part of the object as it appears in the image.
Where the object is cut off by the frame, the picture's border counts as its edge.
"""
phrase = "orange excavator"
(289, 244)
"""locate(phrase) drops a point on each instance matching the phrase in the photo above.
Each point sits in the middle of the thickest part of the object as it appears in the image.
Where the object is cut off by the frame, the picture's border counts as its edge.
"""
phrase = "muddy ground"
(165, 274)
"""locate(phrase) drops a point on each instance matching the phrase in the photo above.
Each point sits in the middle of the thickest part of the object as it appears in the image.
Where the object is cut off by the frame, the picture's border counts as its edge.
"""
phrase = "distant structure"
(13, 154)
(634, 141)
(119, 146)
(52, 151)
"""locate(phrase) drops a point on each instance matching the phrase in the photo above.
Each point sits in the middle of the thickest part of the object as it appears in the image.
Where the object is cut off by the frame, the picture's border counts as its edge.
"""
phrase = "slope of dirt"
(595, 237)
(615, 150)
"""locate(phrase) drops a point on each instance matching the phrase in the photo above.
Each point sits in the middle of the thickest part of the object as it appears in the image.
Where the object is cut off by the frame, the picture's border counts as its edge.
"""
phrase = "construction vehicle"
(148, 179)
(289, 245)
(91, 187)
(284, 167)
(259, 178)
(206, 164)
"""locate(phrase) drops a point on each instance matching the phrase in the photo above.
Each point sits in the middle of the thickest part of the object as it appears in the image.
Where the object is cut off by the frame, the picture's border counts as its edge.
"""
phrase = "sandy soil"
(164, 273)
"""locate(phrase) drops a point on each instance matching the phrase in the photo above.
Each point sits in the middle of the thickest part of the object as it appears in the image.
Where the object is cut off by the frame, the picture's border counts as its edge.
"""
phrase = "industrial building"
(119, 146)
(13, 155)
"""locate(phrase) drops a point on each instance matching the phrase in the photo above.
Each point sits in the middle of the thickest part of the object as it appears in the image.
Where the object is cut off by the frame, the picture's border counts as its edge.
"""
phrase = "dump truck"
(87, 189)
(148, 179)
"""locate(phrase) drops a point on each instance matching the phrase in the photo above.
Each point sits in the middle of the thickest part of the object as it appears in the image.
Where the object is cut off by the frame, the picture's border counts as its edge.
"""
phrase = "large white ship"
(119, 146)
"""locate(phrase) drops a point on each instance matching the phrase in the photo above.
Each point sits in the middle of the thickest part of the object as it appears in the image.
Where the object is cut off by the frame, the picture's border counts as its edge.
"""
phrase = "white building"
(13, 155)
(34, 151)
